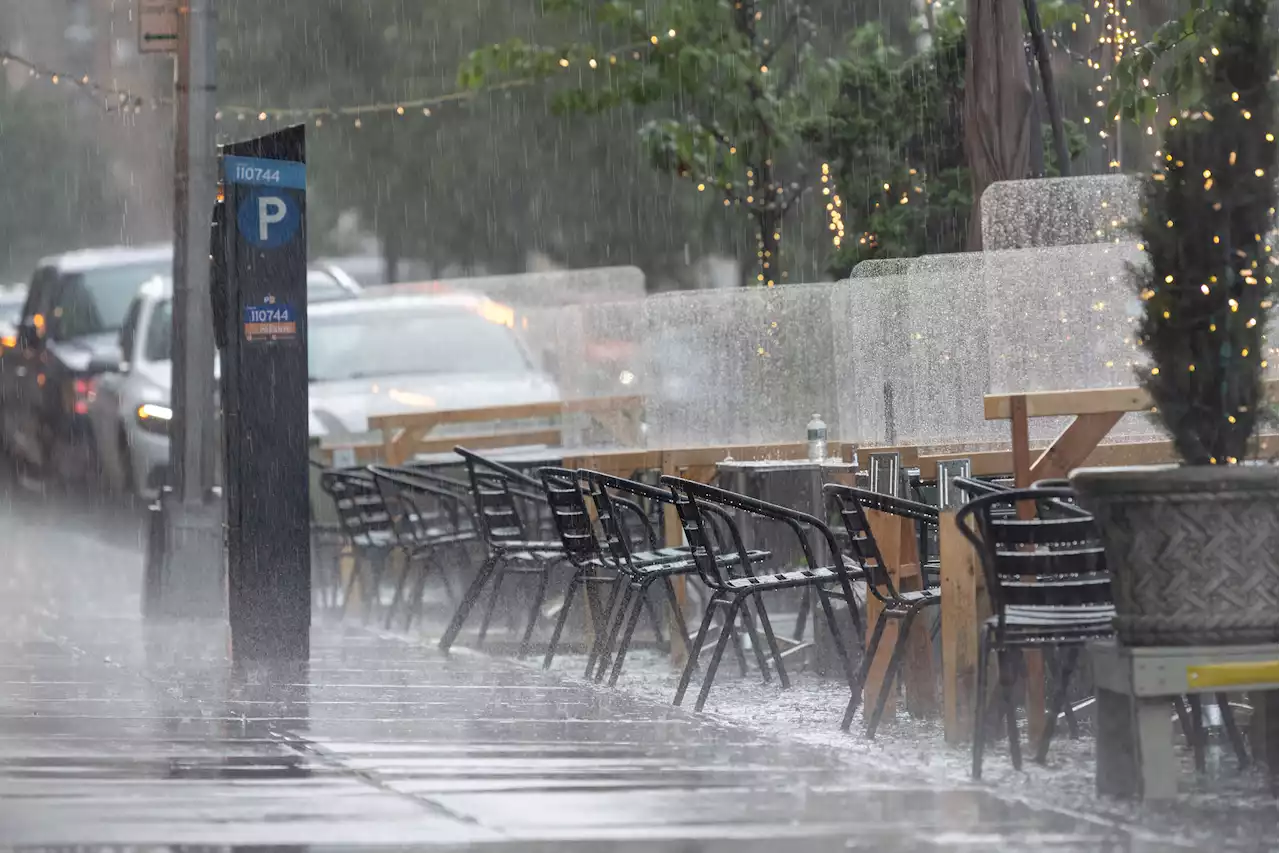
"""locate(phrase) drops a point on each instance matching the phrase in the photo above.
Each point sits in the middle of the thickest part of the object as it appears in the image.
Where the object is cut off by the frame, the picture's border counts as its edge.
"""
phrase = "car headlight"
(154, 418)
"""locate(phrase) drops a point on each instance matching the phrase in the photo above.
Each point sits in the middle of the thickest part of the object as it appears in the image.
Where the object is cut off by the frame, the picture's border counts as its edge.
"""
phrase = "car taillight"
(83, 393)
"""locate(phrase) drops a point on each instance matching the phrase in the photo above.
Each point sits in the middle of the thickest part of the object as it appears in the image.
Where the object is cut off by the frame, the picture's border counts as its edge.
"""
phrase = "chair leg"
(803, 615)
(636, 602)
(1197, 728)
(772, 640)
(562, 619)
(891, 672)
(980, 703)
(867, 660)
(714, 663)
(1057, 700)
(469, 600)
(677, 612)
(494, 593)
(377, 565)
(1008, 683)
(398, 596)
(757, 647)
(1184, 719)
(610, 647)
(543, 579)
(656, 619)
(692, 662)
(351, 583)
(413, 607)
(833, 626)
(604, 640)
(1233, 731)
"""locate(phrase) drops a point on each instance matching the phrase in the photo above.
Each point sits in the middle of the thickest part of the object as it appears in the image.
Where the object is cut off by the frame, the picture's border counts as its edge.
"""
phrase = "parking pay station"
(259, 298)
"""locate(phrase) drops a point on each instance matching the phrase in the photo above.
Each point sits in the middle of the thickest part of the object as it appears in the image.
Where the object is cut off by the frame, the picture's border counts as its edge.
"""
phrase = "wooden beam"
(1070, 449)
(1021, 442)
(1084, 401)
(964, 608)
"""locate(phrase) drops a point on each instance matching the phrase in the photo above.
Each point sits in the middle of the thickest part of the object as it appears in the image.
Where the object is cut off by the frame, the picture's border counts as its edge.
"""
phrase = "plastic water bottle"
(817, 438)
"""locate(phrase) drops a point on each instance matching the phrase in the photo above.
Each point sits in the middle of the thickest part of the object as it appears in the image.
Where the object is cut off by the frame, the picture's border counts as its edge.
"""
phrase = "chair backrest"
(1052, 561)
(852, 504)
(494, 488)
(362, 513)
(569, 512)
(419, 505)
(696, 501)
(611, 509)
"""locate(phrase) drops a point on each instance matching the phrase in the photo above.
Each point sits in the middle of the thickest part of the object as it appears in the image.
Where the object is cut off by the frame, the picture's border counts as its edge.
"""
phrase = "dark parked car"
(68, 334)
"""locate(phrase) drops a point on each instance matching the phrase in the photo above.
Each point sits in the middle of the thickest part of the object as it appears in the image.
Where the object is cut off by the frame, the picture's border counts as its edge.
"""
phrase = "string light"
(112, 99)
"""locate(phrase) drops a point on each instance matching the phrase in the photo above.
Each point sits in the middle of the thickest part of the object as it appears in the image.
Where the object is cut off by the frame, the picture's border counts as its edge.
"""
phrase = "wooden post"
(964, 608)
(896, 539)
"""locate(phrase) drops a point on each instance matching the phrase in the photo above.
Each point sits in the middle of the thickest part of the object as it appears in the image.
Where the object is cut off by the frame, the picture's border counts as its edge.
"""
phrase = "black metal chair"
(581, 549)
(428, 520)
(640, 561)
(731, 589)
(896, 604)
(367, 526)
(1048, 584)
(497, 492)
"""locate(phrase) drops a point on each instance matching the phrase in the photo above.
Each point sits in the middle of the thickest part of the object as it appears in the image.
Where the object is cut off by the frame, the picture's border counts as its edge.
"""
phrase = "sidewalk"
(115, 734)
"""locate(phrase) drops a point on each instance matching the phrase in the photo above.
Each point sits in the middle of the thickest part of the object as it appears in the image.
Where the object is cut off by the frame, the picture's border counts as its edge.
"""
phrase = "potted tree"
(1194, 547)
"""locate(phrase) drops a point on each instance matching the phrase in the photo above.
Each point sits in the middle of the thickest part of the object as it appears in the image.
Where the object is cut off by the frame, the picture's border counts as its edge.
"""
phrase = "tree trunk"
(997, 104)
(1045, 64)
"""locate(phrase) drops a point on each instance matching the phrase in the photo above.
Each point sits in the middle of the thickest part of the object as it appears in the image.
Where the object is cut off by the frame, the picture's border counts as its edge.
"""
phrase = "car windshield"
(389, 342)
(159, 344)
(96, 300)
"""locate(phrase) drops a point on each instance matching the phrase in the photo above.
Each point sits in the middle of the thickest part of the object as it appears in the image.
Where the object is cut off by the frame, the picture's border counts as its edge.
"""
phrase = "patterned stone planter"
(1193, 551)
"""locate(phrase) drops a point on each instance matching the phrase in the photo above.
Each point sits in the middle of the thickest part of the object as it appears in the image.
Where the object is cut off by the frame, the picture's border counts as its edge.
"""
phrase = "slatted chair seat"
(429, 519)
(367, 525)
(498, 492)
(1049, 587)
(784, 580)
(904, 605)
(733, 584)
(633, 552)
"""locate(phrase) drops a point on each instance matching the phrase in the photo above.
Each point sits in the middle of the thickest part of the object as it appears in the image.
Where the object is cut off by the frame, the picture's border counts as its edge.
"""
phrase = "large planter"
(1193, 551)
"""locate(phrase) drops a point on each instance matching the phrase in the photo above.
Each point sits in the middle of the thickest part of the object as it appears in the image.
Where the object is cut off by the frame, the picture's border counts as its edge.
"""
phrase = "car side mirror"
(28, 334)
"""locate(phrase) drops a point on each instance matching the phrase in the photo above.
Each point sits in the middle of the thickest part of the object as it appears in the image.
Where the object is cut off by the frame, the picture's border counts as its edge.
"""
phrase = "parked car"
(66, 337)
(388, 354)
(12, 299)
(132, 406)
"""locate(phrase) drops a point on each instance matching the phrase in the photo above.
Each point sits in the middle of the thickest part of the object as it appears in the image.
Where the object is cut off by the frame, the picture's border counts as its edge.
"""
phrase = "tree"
(730, 82)
(1207, 226)
(894, 149)
(489, 178)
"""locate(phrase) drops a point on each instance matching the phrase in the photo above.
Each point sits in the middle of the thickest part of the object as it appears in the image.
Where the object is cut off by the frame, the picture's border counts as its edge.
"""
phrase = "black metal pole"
(1050, 90)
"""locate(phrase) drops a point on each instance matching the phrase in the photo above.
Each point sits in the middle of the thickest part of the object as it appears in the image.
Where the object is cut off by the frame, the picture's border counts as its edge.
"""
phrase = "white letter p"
(271, 209)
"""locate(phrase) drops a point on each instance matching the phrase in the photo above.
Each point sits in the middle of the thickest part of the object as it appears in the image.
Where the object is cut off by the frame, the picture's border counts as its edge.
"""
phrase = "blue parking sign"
(268, 217)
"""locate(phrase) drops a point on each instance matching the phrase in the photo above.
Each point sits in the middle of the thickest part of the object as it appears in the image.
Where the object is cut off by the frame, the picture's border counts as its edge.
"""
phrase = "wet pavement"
(116, 733)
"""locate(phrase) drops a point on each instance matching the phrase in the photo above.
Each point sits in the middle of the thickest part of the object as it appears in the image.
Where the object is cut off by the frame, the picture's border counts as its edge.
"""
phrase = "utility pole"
(192, 571)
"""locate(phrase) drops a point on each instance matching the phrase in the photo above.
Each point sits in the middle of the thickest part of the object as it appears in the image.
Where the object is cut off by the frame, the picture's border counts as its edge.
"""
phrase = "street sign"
(157, 26)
